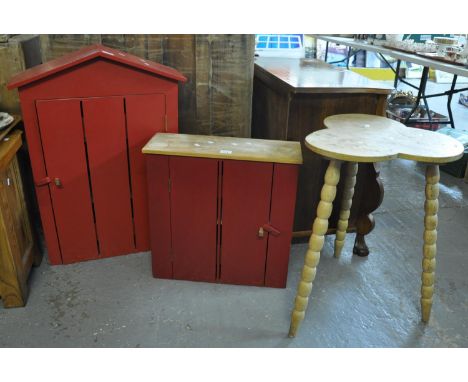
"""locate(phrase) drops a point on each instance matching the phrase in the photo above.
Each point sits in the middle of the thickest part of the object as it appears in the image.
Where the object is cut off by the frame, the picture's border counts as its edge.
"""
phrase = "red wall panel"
(246, 207)
(65, 158)
(104, 122)
(145, 117)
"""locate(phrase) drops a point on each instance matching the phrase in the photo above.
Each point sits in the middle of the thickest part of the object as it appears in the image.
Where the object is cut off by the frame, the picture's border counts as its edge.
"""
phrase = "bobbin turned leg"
(346, 202)
(319, 228)
(431, 207)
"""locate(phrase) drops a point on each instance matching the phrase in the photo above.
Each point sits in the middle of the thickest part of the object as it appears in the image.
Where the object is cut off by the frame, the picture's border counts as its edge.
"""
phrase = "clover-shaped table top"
(370, 138)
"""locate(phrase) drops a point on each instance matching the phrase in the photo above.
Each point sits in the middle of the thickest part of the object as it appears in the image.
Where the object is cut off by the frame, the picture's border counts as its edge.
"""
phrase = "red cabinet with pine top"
(221, 209)
(87, 116)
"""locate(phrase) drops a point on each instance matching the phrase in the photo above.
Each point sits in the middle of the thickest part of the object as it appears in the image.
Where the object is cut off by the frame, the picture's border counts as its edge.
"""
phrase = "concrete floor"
(356, 302)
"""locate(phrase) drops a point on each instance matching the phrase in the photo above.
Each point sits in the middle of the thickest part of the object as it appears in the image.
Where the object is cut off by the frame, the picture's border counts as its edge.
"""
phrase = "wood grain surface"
(315, 76)
(202, 146)
(370, 138)
(17, 244)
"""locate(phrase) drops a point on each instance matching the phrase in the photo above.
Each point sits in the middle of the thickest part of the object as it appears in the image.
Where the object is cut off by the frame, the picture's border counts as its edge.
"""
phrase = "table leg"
(346, 202)
(319, 229)
(421, 94)
(348, 57)
(397, 74)
(449, 101)
(431, 207)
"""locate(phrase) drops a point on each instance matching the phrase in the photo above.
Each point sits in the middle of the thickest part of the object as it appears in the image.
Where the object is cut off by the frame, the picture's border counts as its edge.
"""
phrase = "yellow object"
(378, 74)
(431, 206)
(346, 202)
(316, 241)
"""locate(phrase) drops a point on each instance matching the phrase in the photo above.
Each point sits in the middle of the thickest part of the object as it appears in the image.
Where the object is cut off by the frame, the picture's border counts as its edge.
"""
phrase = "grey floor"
(372, 302)
(356, 302)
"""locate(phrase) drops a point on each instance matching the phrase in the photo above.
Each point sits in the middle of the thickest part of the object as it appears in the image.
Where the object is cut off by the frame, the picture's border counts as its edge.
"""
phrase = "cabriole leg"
(431, 207)
(346, 202)
(319, 228)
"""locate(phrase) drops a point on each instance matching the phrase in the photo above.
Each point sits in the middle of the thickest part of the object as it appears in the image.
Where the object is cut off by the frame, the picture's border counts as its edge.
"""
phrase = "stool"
(354, 138)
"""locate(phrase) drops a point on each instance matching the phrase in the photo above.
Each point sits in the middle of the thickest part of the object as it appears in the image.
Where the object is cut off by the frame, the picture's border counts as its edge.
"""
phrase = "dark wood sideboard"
(291, 98)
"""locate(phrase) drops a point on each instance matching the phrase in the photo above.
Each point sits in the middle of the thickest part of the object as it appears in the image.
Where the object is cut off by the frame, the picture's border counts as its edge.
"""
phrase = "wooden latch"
(43, 182)
(268, 228)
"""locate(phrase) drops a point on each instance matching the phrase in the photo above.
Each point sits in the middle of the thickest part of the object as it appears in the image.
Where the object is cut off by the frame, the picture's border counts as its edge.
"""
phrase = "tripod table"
(353, 138)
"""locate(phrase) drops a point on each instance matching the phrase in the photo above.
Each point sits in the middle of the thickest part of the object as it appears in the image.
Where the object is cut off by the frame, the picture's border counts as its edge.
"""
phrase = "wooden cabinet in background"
(291, 98)
(17, 245)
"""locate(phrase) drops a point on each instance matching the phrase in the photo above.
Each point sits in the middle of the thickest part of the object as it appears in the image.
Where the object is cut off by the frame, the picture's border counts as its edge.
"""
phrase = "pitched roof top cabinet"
(87, 116)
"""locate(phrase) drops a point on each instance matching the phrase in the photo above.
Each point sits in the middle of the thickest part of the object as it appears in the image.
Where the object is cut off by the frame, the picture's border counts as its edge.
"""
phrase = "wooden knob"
(261, 232)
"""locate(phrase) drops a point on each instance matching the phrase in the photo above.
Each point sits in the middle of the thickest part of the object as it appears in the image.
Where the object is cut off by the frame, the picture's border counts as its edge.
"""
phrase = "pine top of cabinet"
(206, 146)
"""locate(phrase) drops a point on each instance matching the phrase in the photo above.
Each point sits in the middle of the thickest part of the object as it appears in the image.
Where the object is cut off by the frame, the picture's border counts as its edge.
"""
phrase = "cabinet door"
(283, 199)
(146, 115)
(20, 223)
(159, 207)
(63, 144)
(246, 193)
(194, 189)
(16, 243)
(106, 143)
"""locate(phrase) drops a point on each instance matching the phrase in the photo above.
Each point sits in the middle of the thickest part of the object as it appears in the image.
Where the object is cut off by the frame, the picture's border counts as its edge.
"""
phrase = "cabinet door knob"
(261, 232)
(58, 182)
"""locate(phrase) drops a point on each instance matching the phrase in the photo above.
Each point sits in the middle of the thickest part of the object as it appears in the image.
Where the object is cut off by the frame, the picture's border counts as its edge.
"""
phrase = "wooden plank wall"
(17, 53)
(216, 99)
(11, 62)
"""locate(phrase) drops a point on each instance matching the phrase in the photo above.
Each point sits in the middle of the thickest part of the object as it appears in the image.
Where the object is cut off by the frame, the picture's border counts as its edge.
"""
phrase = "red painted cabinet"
(87, 116)
(221, 209)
